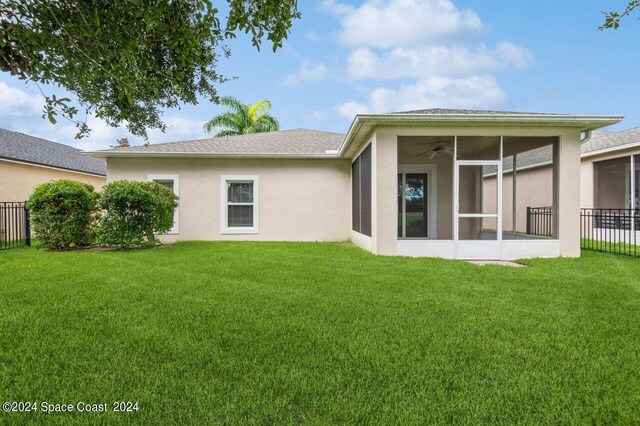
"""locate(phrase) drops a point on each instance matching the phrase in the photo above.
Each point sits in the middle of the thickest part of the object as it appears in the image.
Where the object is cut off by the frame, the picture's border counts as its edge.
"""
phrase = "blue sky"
(345, 57)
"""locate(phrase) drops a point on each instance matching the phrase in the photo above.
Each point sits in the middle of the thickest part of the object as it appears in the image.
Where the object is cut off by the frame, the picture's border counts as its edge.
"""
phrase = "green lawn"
(319, 333)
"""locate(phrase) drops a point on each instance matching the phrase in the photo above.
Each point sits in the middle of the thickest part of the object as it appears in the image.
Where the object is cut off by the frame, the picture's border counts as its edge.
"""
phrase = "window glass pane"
(168, 183)
(240, 216)
(240, 192)
(416, 205)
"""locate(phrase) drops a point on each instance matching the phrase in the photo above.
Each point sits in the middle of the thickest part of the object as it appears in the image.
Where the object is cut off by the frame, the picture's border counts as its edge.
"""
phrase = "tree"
(612, 19)
(242, 118)
(125, 61)
(121, 143)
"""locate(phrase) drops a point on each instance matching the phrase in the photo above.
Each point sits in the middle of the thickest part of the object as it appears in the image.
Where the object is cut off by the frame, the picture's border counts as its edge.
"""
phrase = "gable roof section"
(297, 142)
(23, 148)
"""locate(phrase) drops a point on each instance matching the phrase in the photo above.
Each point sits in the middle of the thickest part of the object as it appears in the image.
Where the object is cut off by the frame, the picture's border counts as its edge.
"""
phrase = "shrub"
(63, 214)
(133, 212)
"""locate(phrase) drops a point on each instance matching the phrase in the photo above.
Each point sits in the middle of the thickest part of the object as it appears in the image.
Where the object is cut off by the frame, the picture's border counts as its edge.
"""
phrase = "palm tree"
(242, 119)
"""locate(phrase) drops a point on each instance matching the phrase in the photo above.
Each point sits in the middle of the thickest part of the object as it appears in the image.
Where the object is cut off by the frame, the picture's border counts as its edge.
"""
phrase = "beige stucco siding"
(299, 199)
(18, 180)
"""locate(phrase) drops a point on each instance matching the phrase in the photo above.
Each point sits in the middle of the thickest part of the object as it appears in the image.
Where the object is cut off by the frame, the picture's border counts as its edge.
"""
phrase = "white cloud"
(469, 92)
(307, 72)
(351, 108)
(432, 48)
(316, 115)
(16, 102)
(389, 23)
(430, 61)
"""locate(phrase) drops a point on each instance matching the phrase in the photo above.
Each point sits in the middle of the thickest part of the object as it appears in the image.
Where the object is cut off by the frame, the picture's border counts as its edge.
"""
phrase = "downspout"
(587, 137)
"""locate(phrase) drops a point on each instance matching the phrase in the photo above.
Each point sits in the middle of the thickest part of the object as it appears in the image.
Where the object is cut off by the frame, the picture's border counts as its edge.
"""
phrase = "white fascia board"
(138, 154)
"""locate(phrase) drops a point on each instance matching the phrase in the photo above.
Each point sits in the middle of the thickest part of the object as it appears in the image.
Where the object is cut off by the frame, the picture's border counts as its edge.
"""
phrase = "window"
(239, 205)
(171, 182)
(361, 192)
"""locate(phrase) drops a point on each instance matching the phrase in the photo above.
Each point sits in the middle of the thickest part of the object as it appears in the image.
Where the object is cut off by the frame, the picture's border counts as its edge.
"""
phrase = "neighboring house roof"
(610, 140)
(23, 148)
(285, 142)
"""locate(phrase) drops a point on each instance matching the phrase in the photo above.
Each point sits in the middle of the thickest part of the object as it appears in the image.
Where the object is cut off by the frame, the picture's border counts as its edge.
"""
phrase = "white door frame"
(479, 249)
(432, 196)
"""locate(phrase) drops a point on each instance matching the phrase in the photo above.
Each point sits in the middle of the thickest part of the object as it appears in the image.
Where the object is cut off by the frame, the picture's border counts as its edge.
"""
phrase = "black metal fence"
(610, 230)
(540, 221)
(15, 230)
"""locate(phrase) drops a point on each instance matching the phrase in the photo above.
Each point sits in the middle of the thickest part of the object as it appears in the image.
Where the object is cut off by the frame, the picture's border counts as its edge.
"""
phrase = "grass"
(266, 333)
(611, 247)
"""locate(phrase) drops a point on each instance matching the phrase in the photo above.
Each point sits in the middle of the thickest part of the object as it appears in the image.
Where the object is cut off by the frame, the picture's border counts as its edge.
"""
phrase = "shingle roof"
(298, 141)
(604, 140)
(447, 111)
(29, 149)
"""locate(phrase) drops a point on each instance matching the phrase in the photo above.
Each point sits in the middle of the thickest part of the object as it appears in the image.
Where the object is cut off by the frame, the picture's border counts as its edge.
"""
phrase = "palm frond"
(225, 121)
(266, 123)
(259, 108)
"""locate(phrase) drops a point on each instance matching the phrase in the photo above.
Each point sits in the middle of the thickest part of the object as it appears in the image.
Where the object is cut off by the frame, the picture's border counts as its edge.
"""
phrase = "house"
(408, 183)
(27, 161)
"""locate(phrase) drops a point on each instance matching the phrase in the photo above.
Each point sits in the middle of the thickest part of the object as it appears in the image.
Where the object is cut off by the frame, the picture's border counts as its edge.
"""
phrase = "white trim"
(432, 195)
(176, 190)
(362, 241)
(26, 163)
(224, 224)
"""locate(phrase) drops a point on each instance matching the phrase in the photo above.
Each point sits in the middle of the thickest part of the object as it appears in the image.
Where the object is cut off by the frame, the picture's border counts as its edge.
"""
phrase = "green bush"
(133, 212)
(63, 214)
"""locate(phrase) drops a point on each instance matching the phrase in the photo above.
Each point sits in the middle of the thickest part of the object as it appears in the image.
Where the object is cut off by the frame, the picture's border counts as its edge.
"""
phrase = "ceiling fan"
(438, 149)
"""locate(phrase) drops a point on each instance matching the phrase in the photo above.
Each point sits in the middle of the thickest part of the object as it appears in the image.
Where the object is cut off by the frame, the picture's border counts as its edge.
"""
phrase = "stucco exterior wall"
(18, 180)
(299, 200)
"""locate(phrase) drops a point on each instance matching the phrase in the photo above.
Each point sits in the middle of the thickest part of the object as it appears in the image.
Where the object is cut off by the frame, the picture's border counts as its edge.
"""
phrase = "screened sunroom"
(446, 185)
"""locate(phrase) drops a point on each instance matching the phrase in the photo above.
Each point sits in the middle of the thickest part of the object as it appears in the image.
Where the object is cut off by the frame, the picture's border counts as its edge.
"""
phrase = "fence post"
(528, 220)
(27, 227)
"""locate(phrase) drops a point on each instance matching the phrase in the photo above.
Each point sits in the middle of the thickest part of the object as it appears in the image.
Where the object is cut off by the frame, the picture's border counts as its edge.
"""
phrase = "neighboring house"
(409, 183)
(27, 161)
(606, 182)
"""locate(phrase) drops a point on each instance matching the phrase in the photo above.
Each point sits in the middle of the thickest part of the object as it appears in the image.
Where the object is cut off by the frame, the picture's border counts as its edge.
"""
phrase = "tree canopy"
(612, 19)
(127, 60)
(242, 118)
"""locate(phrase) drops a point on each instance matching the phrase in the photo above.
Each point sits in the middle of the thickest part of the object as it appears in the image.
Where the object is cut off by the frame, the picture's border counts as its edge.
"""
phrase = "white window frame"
(224, 203)
(176, 190)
